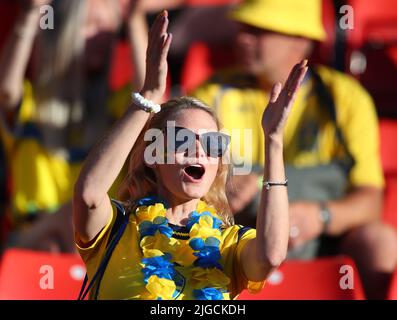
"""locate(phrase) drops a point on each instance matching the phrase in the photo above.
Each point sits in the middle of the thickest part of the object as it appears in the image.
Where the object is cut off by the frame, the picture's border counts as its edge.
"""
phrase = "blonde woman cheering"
(173, 237)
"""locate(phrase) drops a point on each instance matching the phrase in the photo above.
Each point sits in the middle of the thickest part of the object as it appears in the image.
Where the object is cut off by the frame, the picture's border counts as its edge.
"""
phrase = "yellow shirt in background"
(240, 105)
(43, 180)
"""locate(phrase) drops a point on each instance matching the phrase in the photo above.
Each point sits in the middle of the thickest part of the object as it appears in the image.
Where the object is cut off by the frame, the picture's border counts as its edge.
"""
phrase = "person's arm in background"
(269, 249)
(91, 203)
(138, 39)
(362, 204)
(15, 54)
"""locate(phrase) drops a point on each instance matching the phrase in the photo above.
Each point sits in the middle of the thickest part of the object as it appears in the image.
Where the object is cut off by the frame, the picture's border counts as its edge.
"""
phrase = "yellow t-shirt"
(240, 105)
(123, 278)
(42, 180)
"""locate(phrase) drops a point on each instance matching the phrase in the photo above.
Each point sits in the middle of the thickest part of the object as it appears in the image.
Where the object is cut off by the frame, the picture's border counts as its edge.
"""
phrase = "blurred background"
(61, 88)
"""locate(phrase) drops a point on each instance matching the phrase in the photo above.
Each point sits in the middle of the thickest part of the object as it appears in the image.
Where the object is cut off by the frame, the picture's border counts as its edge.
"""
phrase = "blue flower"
(159, 266)
(212, 242)
(198, 244)
(208, 294)
(195, 217)
(208, 257)
(160, 224)
(150, 200)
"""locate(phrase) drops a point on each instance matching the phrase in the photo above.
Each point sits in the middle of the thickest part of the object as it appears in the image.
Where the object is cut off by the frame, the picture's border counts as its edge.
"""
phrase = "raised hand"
(281, 101)
(156, 57)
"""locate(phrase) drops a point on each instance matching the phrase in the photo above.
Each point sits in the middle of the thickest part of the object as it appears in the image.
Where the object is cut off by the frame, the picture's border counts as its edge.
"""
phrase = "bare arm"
(15, 55)
(360, 206)
(269, 248)
(91, 204)
(138, 38)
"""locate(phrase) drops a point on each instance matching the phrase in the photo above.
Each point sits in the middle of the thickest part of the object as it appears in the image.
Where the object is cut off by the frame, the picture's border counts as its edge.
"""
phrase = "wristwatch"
(325, 216)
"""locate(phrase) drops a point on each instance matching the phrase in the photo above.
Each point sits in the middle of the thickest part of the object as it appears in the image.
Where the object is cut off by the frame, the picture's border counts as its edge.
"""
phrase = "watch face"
(325, 214)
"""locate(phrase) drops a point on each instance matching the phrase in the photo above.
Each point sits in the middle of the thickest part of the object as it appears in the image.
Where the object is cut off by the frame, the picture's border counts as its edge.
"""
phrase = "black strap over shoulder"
(115, 234)
(327, 101)
(121, 216)
(241, 232)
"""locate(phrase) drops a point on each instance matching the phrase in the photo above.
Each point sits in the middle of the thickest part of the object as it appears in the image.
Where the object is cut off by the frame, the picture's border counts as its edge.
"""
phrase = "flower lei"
(162, 253)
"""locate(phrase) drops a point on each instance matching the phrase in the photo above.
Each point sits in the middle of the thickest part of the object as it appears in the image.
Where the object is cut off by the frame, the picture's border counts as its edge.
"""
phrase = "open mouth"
(195, 171)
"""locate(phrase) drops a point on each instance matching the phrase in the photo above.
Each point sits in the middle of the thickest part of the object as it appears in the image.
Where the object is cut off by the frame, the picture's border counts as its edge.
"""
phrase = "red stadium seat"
(26, 275)
(201, 61)
(8, 12)
(388, 144)
(121, 69)
(310, 280)
(392, 294)
(372, 51)
(372, 20)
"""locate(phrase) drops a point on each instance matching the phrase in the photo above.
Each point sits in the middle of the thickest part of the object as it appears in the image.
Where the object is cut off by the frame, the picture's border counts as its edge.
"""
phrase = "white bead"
(145, 104)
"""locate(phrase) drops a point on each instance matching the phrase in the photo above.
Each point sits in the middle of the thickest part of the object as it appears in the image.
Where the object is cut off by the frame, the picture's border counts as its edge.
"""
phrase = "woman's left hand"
(281, 101)
(156, 58)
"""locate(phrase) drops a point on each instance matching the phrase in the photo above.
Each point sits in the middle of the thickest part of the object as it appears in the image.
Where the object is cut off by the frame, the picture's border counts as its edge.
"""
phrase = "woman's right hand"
(156, 59)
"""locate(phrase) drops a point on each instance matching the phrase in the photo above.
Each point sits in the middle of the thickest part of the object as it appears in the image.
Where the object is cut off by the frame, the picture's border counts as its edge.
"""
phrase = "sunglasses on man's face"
(214, 143)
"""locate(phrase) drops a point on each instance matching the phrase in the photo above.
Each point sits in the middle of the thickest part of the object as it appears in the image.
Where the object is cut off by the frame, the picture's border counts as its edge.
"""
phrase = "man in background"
(331, 139)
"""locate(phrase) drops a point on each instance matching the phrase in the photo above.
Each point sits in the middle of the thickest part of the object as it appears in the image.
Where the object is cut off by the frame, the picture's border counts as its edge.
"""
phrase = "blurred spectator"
(50, 122)
(331, 140)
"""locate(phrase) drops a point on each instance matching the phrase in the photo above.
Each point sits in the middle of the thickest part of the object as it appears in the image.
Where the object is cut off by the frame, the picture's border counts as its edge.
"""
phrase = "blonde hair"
(141, 180)
(59, 80)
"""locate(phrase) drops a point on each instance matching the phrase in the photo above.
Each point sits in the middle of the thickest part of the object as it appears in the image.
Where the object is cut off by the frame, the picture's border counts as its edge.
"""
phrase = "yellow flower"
(203, 229)
(149, 213)
(159, 242)
(150, 253)
(214, 277)
(184, 254)
(202, 207)
(162, 288)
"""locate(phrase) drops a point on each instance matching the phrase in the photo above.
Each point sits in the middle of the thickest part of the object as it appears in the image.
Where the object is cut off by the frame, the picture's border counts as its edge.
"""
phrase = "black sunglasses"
(214, 143)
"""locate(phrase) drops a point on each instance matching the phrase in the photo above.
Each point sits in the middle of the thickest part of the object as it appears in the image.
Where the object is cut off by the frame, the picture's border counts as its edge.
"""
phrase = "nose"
(199, 150)
(245, 39)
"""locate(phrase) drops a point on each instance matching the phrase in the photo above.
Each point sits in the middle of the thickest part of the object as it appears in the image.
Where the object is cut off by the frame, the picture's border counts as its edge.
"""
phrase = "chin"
(194, 192)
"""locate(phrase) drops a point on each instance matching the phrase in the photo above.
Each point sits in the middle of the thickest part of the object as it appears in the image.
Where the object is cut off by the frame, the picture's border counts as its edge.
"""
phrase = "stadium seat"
(30, 275)
(371, 53)
(8, 12)
(392, 294)
(388, 148)
(121, 68)
(318, 279)
(201, 61)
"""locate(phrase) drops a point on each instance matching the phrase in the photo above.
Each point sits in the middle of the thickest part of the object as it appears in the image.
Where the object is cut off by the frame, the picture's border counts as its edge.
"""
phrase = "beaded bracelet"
(268, 184)
(145, 104)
